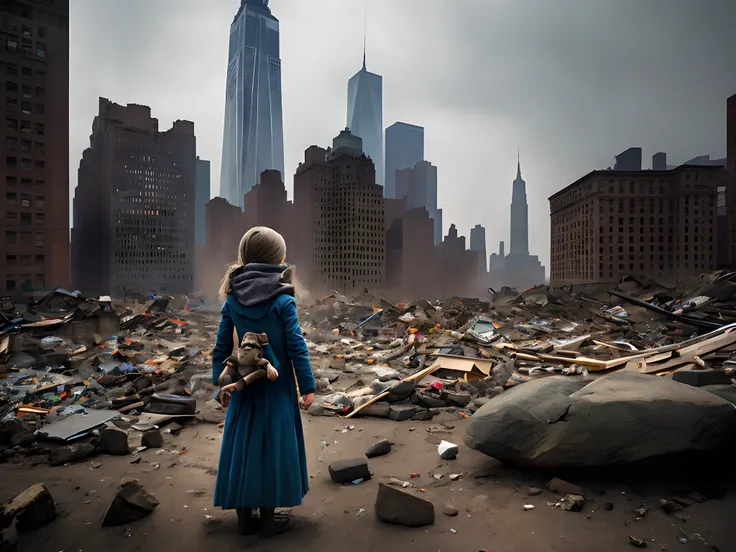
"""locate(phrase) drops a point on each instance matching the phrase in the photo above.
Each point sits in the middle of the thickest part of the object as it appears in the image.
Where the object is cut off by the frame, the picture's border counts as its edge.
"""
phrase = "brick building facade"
(648, 224)
(134, 219)
(34, 139)
(340, 218)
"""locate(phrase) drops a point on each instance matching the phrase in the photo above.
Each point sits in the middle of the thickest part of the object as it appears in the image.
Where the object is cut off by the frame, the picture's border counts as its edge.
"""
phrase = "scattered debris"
(637, 542)
(447, 450)
(573, 503)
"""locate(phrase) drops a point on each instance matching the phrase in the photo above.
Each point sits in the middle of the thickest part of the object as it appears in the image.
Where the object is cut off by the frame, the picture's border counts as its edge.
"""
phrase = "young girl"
(262, 461)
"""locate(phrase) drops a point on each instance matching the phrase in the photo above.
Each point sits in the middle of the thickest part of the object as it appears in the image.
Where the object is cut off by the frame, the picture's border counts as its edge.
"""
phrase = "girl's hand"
(307, 400)
(225, 396)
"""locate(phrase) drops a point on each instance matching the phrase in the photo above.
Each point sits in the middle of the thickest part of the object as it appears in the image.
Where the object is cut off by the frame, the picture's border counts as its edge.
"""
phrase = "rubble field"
(435, 416)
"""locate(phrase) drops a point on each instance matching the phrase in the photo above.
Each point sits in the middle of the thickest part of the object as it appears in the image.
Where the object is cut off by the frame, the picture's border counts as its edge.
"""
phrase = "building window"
(40, 92)
(9, 284)
(11, 44)
(40, 148)
(26, 218)
(25, 200)
(40, 281)
(11, 124)
(25, 107)
(40, 108)
(11, 180)
(26, 164)
(11, 103)
(25, 260)
(40, 237)
(11, 86)
(11, 198)
(41, 50)
(40, 259)
(11, 260)
(40, 218)
(40, 164)
(11, 236)
(40, 202)
(25, 146)
(40, 129)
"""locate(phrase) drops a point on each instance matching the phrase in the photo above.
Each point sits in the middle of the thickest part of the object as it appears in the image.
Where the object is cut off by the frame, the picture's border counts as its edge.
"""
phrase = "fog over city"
(571, 83)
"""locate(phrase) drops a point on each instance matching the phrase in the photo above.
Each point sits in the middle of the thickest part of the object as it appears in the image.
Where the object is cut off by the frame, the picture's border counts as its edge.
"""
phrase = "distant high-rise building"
(418, 187)
(365, 114)
(34, 141)
(340, 218)
(134, 205)
(659, 161)
(253, 139)
(629, 160)
(201, 198)
(519, 216)
(478, 243)
(731, 177)
(404, 149)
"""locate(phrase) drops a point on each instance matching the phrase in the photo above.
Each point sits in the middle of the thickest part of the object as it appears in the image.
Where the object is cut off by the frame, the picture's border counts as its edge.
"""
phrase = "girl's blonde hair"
(258, 245)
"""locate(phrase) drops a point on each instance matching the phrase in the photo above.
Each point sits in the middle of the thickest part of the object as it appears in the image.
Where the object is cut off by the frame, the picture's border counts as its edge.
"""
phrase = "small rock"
(535, 491)
(401, 413)
(447, 450)
(426, 400)
(449, 511)
(380, 448)
(401, 391)
(23, 439)
(152, 439)
(71, 453)
(637, 542)
(402, 508)
(352, 469)
(460, 400)
(31, 509)
(608, 507)
(641, 511)
(114, 441)
(423, 416)
(669, 506)
(573, 503)
(561, 488)
(131, 503)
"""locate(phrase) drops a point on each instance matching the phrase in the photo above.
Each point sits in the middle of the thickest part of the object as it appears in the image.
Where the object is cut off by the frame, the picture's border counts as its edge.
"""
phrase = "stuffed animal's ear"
(287, 276)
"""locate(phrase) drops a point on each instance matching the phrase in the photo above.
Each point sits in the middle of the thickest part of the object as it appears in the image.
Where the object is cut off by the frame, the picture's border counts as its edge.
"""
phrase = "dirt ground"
(489, 497)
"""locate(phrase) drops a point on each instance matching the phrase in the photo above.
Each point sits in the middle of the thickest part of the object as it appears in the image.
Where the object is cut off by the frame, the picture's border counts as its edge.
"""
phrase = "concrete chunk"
(402, 508)
(380, 448)
(31, 509)
(699, 378)
(152, 439)
(561, 488)
(114, 441)
(71, 453)
(352, 469)
(131, 503)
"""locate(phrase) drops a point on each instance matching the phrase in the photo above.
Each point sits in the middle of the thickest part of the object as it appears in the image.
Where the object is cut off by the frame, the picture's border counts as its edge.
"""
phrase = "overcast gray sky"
(572, 82)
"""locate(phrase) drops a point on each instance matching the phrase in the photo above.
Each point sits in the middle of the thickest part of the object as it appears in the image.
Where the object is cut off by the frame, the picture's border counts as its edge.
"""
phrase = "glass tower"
(253, 139)
(519, 216)
(404, 149)
(365, 114)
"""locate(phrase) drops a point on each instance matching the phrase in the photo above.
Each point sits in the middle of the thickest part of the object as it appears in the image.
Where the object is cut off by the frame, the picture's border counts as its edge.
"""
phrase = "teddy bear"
(247, 364)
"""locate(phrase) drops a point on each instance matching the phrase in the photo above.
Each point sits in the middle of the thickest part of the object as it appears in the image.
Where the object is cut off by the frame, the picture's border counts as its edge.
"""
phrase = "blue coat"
(262, 459)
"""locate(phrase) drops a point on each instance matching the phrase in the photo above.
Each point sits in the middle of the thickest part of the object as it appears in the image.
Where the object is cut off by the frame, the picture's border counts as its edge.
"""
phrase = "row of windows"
(26, 238)
(12, 104)
(26, 72)
(12, 282)
(25, 218)
(25, 164)
(25, 45)
(26, 90)
(24, 126)
(25, 260)
(13, 181)
(26, 200)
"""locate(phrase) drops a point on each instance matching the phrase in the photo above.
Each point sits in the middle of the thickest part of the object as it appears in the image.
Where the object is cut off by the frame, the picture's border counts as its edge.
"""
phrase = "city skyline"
(578, 123)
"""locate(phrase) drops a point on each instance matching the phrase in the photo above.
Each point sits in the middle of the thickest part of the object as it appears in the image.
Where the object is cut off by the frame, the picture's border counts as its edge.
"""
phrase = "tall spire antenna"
(518, 162)
(365, 34)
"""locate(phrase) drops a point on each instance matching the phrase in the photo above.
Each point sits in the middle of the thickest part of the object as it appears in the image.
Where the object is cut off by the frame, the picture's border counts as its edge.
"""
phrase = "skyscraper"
(201, 198)
(478, 243)
(253, 139)
(34, 143)
(404, 149)
(134, 204)
(519, 216)
(417, 185)
(365, 114)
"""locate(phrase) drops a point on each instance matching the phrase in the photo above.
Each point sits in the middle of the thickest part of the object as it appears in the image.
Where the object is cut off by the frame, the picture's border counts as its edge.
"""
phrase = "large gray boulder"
(617, 419)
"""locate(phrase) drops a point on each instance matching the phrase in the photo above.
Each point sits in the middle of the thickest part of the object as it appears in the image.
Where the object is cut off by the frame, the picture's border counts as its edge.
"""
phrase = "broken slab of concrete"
(573, 503)
(30, 510)
(349, 470)
(131, 503)
(114, 441)
(399, 507)
(402, 412)
(71, 453)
